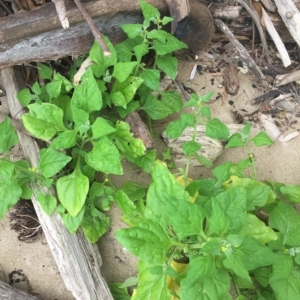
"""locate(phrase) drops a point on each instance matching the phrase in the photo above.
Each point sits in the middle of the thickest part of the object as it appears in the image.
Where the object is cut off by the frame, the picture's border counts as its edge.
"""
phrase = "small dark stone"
(253, 85)
(240, 64)
(212, 81)
(231, 102)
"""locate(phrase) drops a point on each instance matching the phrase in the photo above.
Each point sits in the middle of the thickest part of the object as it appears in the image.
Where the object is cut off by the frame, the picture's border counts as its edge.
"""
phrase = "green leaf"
(175, 128)
(118, 99)
(285, 280)
(72, 191)
(124, 202)
(258, 229)
(96, 54)
(151, 78)
(148, 241)
(118, 292)
(156, 109)
(246, 131)
(212, 246)
(9, 138)
(227, 211)
(43, 120)
(94, 226)
(123, 52)
(160, 35)
(141, 50)
(53, 88)
(52, 161)
(130, 107)
(87, 95)
(67, 84)
(221, 172)
(190, 147)
(133, 190)
(151, 285)
(203, 160)
(216, 129)
(145, 161)
(102, 127)
(126, 142)
(204, 281)
(168, 64)
(291, 192)
(285, 219)
(79, 116)
(235, 141)
(104, 157)
(132, 30)
(172, 100)
(44, 71)
(128, 87)
(150, 13)
(262, 139)
(122, 70)
(64, 140)
(72, 223)
(166, 20)
(170, 45)
(25, 97)
(10, 193)
(262, 275)
(205, 110)
(47, 202)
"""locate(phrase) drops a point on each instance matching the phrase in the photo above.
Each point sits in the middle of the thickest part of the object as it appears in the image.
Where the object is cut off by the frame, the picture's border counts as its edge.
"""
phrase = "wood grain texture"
(8, 292)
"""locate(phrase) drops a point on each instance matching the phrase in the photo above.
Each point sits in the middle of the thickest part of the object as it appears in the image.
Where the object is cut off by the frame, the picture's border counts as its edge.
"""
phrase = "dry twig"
(62, 13)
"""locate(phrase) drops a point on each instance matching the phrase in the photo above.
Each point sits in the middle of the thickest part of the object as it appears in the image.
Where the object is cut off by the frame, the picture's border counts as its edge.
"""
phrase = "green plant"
(195, 238)
(83, 126)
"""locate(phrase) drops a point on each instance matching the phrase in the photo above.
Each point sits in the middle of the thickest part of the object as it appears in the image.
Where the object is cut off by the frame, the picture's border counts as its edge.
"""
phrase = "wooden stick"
(242, 51)
(93, 27)
(62, 13)
(78, 261)
(9, 292)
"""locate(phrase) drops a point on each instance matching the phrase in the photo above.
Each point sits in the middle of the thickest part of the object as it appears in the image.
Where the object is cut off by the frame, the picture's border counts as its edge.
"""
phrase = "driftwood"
(78, 261)
(9, 292)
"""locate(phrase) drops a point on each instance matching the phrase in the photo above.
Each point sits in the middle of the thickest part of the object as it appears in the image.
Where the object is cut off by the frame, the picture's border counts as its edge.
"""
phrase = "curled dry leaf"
(231, 79)
(88, 62)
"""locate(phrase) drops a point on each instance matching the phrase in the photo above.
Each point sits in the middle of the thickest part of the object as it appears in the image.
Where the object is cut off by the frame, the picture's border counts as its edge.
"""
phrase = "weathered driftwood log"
(9, 292)
(78, 261)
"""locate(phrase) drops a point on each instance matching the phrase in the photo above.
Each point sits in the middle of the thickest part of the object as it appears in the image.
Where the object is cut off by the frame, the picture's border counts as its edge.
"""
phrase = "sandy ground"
(280, 162)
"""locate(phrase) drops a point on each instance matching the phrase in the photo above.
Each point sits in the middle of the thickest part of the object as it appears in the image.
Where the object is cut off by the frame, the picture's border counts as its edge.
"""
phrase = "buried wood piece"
(9, 292)
(231, 79)
(78, 261)
(276, 39)
(290, 16)
(140, 130)
(242, 51)
(62, 13)
(94, 29)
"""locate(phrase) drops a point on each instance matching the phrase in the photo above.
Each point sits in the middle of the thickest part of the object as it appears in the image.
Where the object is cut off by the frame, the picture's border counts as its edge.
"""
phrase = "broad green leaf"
(168, 64)
(47, 202)
(145, 161)
(151, 285)
(53, 88)
(216, 129)
(205, 111)
(25, 97)
(170, 45)
(124, 202)
(190, 147)
(132, 30)
(130, 107)
(79, 116)
(64, 140)
(133, 190)
(96, 54)
(148, 241)
(118, 292)
(285, 219)
(87, 95)
(126, 142)
(227, 211)
(44, 71)
(36, 88)
(94, 226)
(151, 78)
(159, 35)
(285, 279)
(10, 194)
(8, 135)
(246, 131)
(156, 109)
(203, 160)
(166, 20)
(175, 128)
(141, 50)
(67, 84)
(186, 218)
(52, 161)
(221, 172)
(258, 229)
(123, 52)
(291, 192)
(72, 191)
(118, 99)
(212, 246)
(235, 141)
(262, 139)
(63, 101)
(104, 157)
(72, 223)
(262, 275)
(150, 13)
(204, 281)
(102, 127)
(122, 70)
(172, 100)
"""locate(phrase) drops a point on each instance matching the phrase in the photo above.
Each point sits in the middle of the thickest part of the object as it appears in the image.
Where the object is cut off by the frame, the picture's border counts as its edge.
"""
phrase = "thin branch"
(93, 27)
(62, 13)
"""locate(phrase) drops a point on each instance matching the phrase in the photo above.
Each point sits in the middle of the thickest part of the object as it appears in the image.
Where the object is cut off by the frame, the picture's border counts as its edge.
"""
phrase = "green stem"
(252, 160)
